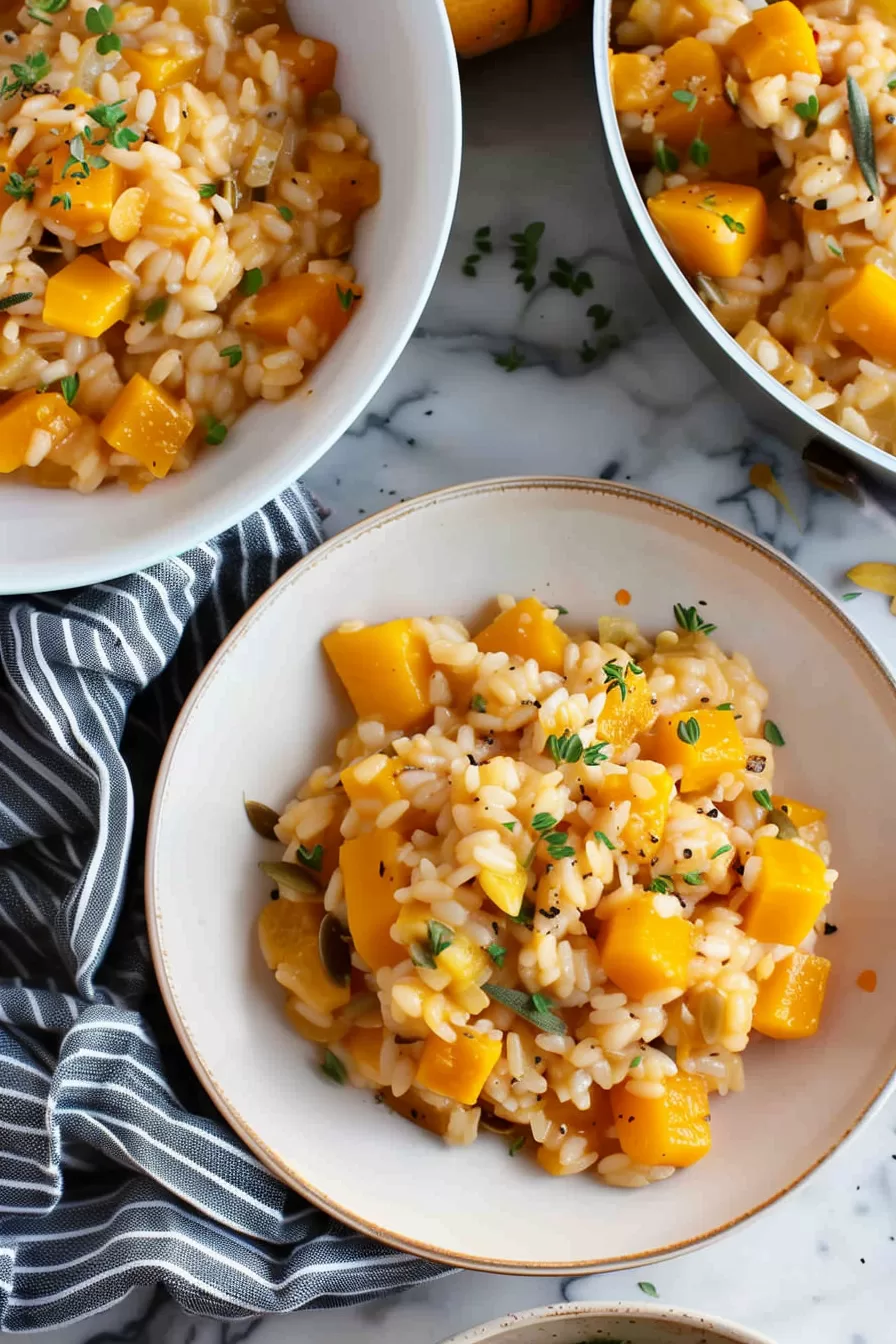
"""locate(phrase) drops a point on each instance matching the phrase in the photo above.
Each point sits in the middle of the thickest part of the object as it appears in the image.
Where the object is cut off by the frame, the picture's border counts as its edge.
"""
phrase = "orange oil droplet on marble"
(623, 597)
(867, 980)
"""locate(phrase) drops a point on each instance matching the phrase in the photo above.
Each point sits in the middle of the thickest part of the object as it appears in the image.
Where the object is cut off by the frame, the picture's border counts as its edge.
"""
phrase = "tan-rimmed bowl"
(608, 1323)
(266, 710)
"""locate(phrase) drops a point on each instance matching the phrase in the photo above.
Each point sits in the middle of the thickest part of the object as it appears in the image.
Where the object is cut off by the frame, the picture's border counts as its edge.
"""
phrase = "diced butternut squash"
(479, 27)
(524, 631)
(311, 60)
(412, 922)
(642, 952)
(77, 96)
(801, 814)
(458, 1069)
(464, 961)
(83, 203)
(505, 890)
(776, 41)
(669, 1131)
(305, 976)
(673, 18)
(736, 150)
(386, 670)
(351, 182)
(866, 310)
(365, 1045)
(692, 67)
(193, 13)
(789, 894)
(642, 833)
(311, 1031)
(146, 423)
(371, 874)
(159, 69)
(322, 299)
(371, 783)
(718, 748)
(283, 927)
(711, 227)
(788, 1005)
(638, 81)
(24, 414)
(86, 298)
(625, 717)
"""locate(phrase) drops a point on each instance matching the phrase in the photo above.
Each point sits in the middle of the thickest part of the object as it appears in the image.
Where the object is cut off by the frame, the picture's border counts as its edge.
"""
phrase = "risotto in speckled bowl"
(547, 886)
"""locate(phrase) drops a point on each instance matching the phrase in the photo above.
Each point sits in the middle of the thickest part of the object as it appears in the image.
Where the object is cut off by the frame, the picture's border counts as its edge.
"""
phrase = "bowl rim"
(817, 424)
(207, 519)
(619, 1310)
(254, 1141)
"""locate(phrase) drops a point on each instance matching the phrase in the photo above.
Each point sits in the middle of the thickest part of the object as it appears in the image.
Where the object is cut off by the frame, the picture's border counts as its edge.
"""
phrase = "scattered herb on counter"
(588, 353)
(862, 134)
(525, 254)
(808, 112)
(600, 316)
(233, 354)
(333, 1066)
(511, 361)
(689, 618)
(763, 798)
(565, 276)
(12, 299)
(603, 839)
(723, 849)
(685, 96)
(849, 597)
(648, 1289)
(482, 239)
(497, 954)
(689, 731)
(772, 733)
(535, 1008)
(69, 385)
(665, 158)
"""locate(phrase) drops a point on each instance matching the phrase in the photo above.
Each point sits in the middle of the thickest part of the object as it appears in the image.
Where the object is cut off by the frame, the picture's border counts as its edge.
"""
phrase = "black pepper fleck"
(820, 205)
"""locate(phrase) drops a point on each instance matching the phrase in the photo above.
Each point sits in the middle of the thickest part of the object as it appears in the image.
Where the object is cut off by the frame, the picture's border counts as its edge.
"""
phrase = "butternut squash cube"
(505, 890)
(365, 1045)
(776, 41)
(283, 927)
(193, 13)
(790, 892)
(367, 792)
(866, 310)
(719, 748)
(642, 833)
(313, 61)
(458, 1069)
(371, 874)
(412, 922)
(643, 952)
(672, 1130)
(692, 66)
(82, 203)
(26, 412)
(525, 632)
(625, 717)
(311, 1031)
(158, 70)
(351, 182)
(146, 423)
(463, 961)
(711, 227)
(801, 814)
(386, 670)
(476, 29)
(676, 18)
(305, 976)
(788, 1005)
(86, 298)
(638, 81)
(285, 302)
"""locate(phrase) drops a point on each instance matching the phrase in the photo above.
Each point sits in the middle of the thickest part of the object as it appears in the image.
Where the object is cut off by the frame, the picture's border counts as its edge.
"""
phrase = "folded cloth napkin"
(114, 1168)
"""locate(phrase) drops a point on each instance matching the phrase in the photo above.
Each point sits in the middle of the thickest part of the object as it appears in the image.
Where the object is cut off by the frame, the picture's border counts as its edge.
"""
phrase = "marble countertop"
(820, 1266)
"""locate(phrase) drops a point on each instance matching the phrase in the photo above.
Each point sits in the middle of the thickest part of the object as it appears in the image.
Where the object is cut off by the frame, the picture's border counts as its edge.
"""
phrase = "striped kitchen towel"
(114, 1169)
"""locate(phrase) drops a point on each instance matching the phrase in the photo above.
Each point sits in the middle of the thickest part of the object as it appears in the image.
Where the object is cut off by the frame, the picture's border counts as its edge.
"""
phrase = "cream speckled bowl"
(267, 709)
(608, 1323)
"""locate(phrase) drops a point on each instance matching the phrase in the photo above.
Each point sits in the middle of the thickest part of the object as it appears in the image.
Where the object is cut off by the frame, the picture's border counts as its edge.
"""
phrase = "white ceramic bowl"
(398, 75)
(267, 709)
(608, 1323)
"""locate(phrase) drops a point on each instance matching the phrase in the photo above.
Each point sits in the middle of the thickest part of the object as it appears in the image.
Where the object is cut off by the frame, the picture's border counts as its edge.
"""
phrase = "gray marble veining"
(819, 1268)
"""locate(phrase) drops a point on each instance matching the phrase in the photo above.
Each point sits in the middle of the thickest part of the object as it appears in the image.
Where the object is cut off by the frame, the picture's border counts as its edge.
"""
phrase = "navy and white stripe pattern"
(114, 1170)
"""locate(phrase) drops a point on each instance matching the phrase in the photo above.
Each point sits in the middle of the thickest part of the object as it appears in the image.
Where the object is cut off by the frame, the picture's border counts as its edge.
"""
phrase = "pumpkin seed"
(496, 1123)
(335, 953)
(711, 1014)
(262, 819)
(293, 876)
(786, 828)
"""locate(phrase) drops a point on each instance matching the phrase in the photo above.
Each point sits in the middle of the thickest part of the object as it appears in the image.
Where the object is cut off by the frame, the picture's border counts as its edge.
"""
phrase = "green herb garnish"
(665, 158)
(68, 386)
(694, 879)
(535, 1008)
(808, 112)
(207, 190)
(543, 821)
(440, 936)
(559, 846)
(603, 839)
(596, 753)
(285, 213)
(565, 276)
(525, 254)
(649, 1289)
(232, 353)
(64, 200)
(763, 798)
(332, 1066)
(849, 597)
(101, 21)
(835, 249)
(346, 298)
(252, 281)
(312, 858)
(565, 749)
(40, 9)
(689, 731)
(20, 187)
(661, 884)
(526, 912)
(733, 224)
(686, 97)
(497, 953)
(26, 74)
(153, 311)
(215, 433)
(108, 115)
(689, 618)
(421, 956)
(699, 153)
(723, 849)
(477, 704)
(862, 134)
(516, 1145)
(509, 825)
(12, 299)
(635, 1062)
(772, 733)
(511, 361)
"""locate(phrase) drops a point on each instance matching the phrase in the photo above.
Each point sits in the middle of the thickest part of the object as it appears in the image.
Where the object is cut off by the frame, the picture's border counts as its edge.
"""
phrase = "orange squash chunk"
(643, 952)
(91, 198)
(351, 182)
(26, 412)
(284, 925)
(385, 669)
(524, 631)
(371, 874)
(866, 310)
(642, 833)
(712, 228)
(801, 814)
(86, 298)
(672, 1130)
(625, 717)
(478, 28)
(718, 750)
(365, 1047)
(285, 302)
(692, 67)
(638, 81)
(776, 41)
(788, 1005)
(458, 1069)
(146, 423)
(790, 892)
(158, 70)
(369, 796)
(313, 61)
